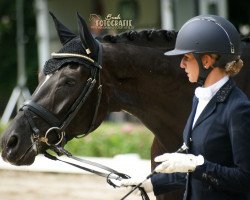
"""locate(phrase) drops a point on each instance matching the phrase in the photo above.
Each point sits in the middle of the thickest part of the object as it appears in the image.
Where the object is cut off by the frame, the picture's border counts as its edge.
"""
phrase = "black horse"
(87, 79)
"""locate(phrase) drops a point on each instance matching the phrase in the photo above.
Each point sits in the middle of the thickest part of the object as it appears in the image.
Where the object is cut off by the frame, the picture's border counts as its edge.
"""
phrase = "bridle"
(59, 126)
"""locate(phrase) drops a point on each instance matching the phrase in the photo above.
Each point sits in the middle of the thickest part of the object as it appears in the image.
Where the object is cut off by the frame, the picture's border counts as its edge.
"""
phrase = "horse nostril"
(12, 141)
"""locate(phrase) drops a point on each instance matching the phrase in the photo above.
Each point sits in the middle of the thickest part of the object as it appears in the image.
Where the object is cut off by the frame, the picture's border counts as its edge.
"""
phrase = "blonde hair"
(232, 68)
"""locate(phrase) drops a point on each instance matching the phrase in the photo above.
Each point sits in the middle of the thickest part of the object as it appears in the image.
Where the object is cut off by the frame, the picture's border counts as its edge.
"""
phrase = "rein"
(113, 174)
(59, 126)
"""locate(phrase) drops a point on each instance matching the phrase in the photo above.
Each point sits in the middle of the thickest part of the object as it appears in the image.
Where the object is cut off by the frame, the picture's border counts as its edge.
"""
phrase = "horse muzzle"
(16, 151)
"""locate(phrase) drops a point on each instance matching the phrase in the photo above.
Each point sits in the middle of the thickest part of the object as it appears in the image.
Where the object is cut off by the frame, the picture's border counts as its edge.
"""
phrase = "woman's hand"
(146, 184)
(178, 162)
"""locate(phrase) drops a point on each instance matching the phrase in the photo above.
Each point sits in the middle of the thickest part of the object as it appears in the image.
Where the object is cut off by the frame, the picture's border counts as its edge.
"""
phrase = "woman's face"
(191, 67)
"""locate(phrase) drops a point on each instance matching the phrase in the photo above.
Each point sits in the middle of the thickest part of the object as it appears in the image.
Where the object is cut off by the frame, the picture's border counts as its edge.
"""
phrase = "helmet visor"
(177, 52)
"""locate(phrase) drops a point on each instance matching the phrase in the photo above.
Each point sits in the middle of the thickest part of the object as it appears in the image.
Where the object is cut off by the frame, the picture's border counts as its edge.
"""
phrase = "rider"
(217, 134)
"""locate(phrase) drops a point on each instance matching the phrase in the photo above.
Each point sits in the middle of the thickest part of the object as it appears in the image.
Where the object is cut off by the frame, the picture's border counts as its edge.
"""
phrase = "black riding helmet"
(208, 34)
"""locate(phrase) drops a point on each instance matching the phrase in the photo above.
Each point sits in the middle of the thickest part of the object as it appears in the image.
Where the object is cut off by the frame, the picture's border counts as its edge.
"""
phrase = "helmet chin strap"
(203, 72)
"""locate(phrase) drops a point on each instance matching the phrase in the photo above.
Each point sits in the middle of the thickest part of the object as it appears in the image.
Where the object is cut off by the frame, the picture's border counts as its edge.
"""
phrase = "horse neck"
(145, 83)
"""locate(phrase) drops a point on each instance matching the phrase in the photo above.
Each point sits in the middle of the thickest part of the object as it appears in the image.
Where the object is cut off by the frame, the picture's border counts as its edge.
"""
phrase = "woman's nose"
(182, 64)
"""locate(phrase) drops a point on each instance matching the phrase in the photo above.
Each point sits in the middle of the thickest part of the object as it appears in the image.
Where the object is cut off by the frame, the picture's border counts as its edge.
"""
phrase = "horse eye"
(70, 82)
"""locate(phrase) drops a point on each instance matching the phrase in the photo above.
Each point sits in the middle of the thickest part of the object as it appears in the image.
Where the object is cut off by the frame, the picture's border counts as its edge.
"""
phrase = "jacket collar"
(219, 97)
(225, 90)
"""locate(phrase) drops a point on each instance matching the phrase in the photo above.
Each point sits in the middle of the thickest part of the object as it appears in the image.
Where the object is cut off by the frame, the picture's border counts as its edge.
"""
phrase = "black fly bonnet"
(72, 52)
(74, 48)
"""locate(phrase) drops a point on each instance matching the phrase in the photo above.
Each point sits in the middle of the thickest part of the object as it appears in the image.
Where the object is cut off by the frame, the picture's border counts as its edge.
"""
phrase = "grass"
(111, 139)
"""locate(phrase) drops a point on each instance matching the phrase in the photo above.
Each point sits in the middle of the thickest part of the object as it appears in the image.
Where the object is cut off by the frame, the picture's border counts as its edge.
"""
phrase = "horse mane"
(147, 37)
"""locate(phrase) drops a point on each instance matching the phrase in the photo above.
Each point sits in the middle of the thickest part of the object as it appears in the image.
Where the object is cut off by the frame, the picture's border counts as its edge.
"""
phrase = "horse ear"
(88, 41)
(63, 32)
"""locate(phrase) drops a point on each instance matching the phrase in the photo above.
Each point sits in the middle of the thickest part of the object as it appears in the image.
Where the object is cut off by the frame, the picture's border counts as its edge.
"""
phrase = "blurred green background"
(111, 139)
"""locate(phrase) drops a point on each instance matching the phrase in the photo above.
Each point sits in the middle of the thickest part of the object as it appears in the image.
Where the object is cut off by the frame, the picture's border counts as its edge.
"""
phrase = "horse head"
(69, 83)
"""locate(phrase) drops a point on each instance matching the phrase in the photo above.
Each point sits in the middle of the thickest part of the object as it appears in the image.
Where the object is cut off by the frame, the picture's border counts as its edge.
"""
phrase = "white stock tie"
(204, 95)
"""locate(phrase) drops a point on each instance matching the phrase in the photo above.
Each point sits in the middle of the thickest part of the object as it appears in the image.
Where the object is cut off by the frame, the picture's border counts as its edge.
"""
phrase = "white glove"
(178, 162)
(147, 184)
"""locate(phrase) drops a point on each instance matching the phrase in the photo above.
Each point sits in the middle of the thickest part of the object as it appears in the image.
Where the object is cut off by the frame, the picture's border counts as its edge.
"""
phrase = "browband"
(65, 55)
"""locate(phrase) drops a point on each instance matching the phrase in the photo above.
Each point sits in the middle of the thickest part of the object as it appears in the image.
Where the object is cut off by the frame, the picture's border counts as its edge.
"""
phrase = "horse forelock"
(147, 37)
